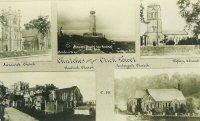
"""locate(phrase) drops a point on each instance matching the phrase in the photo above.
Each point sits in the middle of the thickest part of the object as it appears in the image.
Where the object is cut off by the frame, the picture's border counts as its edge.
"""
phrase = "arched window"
(15, 20)
(156, 15)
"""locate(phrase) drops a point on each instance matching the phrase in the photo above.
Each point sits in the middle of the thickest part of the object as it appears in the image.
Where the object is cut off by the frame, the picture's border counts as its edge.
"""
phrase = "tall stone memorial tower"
(154, 24)
(92, 22)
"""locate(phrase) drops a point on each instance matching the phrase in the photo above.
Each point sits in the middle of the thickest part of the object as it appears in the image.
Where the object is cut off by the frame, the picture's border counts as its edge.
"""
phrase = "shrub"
(156, 111)
(170, 111)
(154, 43)
(182, 109)
(170, 42)
(188, 41)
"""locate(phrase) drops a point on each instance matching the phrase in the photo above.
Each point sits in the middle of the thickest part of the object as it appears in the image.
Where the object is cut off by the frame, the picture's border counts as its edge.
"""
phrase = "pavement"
(12, 114)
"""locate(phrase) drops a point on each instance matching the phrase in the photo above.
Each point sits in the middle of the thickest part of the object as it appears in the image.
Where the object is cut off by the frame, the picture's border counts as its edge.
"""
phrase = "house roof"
(68, 89)
(166, 94)
(29, 33)
(167, 32)
(140, 93)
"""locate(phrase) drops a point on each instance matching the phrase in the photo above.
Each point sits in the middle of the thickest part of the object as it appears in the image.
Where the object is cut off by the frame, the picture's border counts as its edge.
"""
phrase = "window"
(65, 95)
(152, 15)
(156, 15)
(154, 28)
(6, 36)
(15, 20)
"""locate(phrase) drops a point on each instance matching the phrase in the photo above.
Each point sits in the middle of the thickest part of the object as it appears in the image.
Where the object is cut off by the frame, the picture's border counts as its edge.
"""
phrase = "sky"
(84, 80)
(29, 10)
(115, 19)
(171, 19)
(128, 73)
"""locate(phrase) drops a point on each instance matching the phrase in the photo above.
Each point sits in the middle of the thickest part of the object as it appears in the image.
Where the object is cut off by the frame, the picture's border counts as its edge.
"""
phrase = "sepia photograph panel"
(169, 28)
(96, 27)
(48, 96)
(157, 95)
(25, 30)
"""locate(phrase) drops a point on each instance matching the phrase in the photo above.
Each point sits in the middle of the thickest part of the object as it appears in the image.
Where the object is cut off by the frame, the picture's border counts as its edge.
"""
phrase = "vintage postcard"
(25, 31)
(49, 96)
(169, 28)
(95, 27)
(157, 95)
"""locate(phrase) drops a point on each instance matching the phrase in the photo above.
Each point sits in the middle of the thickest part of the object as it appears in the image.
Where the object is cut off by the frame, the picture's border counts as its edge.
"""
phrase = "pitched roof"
(167, 32)
(29, 33)
(166, 94)
(140, 93)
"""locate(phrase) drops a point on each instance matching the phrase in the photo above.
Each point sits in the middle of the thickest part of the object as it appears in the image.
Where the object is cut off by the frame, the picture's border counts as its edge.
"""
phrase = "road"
(120, 117)
(12, 114)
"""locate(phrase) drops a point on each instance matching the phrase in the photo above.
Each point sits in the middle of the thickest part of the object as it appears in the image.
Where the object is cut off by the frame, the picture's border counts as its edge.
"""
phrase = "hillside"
(76, 44)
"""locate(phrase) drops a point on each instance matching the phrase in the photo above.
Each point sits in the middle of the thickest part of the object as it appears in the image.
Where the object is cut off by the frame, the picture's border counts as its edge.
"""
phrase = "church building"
(155, 35)
(156, 99)
(10, 35)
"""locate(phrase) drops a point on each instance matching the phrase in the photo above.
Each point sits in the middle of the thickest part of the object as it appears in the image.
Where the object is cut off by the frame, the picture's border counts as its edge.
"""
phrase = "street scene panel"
(49, 96)
(157, 95)
(169, 28)
(92, 27)
(24, 33)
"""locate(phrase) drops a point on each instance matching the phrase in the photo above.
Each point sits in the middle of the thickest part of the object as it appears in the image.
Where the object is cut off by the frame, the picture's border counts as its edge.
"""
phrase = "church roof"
(175, 32)
(166, 94)
(140, 94)
(29, 33)
(167, 32)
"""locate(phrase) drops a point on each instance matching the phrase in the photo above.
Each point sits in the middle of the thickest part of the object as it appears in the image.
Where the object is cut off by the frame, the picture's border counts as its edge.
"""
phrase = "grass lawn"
(64, 116)
(21, 53)
(170, 50)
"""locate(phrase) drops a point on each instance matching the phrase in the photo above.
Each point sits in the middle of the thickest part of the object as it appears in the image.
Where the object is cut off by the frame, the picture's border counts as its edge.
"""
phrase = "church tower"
(154, 26)
(92, 22)
(10, 30)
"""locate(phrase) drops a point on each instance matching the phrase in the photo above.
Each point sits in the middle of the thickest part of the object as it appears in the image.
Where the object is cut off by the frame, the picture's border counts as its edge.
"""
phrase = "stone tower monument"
(10, 34)
(154, 26)
(92, 28)
(92, 22)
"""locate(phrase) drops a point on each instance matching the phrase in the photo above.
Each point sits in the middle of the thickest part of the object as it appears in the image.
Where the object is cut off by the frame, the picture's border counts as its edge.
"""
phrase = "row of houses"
(50, 101)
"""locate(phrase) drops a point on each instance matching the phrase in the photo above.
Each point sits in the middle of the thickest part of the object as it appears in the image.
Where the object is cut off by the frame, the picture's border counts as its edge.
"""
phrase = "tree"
(42, 24)
(2, 20)
(2, 92)
(190, 105)
(190, 11)
(142, 19)
(170, 42)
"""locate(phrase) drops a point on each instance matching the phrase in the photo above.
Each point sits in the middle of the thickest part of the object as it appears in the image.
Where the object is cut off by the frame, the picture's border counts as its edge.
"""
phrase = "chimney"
(179, 85)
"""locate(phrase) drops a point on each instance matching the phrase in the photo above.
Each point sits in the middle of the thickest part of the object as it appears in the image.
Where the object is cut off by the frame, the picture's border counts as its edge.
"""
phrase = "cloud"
(112, 18)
